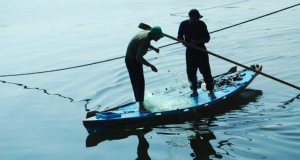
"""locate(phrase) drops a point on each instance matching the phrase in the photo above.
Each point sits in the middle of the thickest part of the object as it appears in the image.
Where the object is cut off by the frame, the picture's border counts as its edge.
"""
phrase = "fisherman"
(194, 31)
(137, 48)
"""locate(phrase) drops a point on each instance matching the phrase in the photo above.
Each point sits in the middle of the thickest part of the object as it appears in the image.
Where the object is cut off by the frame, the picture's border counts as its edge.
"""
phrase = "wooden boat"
(227, 85)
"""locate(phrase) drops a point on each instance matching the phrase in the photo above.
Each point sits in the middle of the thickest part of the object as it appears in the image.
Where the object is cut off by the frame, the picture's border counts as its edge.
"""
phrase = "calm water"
(41, 115)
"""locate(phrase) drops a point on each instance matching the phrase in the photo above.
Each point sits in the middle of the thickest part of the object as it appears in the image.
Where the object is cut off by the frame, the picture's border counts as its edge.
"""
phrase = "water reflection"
(202, 149)
(198, 139)
(199, 142)
(142, 147)
(198, 135)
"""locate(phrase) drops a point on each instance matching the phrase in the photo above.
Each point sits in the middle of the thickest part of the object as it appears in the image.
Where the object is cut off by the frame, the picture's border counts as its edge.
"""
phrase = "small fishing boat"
(227, 85)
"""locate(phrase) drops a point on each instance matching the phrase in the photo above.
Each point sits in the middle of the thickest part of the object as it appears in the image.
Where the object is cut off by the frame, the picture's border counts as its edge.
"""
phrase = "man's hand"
(154, 69)
(156, 50)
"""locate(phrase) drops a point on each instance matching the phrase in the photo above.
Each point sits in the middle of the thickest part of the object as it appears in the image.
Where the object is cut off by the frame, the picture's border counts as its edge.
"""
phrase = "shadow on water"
(197, 126)
(237, 102)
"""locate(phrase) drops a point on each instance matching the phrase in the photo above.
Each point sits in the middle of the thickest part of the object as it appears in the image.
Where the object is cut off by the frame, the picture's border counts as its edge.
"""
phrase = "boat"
(227, 86)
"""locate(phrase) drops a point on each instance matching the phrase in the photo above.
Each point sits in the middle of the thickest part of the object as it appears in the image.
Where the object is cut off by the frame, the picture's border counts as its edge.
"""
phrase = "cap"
(156, 30)
(195, 13)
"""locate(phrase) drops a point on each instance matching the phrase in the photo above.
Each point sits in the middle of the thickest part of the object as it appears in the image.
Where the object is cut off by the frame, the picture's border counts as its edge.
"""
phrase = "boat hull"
(227, 86)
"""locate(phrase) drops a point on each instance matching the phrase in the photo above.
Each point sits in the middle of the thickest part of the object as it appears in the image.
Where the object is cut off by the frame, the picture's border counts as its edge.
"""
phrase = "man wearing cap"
(194, 31)
(137, 48)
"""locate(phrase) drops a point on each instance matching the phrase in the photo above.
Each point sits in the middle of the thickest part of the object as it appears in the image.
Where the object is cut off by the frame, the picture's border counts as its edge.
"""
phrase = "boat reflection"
(109, 135)
(198, 140)
(202, 149)
(116, 134)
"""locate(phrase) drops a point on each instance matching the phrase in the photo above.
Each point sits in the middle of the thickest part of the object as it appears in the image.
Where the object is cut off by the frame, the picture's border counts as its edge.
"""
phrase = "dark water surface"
(41, 115)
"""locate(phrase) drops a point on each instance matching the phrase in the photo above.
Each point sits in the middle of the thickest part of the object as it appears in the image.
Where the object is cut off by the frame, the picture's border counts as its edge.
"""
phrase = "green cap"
(156, 30)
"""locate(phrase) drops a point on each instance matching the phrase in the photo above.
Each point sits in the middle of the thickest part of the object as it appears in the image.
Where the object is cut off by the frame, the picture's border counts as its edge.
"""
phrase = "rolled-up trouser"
(136, 74)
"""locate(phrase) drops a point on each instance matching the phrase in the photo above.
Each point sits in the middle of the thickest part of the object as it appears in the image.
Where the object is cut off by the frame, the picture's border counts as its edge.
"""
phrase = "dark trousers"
(197, 60)
(136, 74)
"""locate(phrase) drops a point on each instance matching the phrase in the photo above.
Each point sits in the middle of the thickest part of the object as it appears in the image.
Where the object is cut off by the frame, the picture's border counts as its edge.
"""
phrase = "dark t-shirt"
(196, 31)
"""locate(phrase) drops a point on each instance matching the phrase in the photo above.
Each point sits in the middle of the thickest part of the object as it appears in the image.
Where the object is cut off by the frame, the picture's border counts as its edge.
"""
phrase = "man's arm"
(206, 34)
(139, 57)
(143, 61)
(180, 32)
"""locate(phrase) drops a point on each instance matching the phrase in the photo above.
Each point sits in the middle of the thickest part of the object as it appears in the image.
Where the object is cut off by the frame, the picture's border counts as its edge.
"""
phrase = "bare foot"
(194, 94)
(212, 94)
(142, 107)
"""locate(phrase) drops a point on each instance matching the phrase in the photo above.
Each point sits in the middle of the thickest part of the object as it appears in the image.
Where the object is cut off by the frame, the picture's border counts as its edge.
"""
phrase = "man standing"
(137, 48)
(194, 31)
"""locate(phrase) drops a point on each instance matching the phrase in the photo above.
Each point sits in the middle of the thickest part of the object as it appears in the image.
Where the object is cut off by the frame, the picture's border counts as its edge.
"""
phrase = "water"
(41, 115)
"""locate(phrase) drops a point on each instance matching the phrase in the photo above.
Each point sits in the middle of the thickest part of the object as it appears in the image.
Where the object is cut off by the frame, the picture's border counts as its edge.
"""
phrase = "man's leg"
(135, 70)
(191, 69)
(205, 70)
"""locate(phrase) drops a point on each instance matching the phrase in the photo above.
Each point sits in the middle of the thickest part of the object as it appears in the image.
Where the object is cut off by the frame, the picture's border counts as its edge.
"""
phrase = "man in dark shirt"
(194, 31)
(137, 48)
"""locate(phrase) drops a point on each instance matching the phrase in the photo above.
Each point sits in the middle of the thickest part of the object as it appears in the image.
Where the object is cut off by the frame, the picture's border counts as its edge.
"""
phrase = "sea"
(62, 58)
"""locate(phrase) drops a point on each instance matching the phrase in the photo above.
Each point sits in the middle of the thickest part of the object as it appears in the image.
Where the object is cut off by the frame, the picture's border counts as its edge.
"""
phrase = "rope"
(89, 64)
(257, 17)
(176, 14)
(240, 23)
(55, 70)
